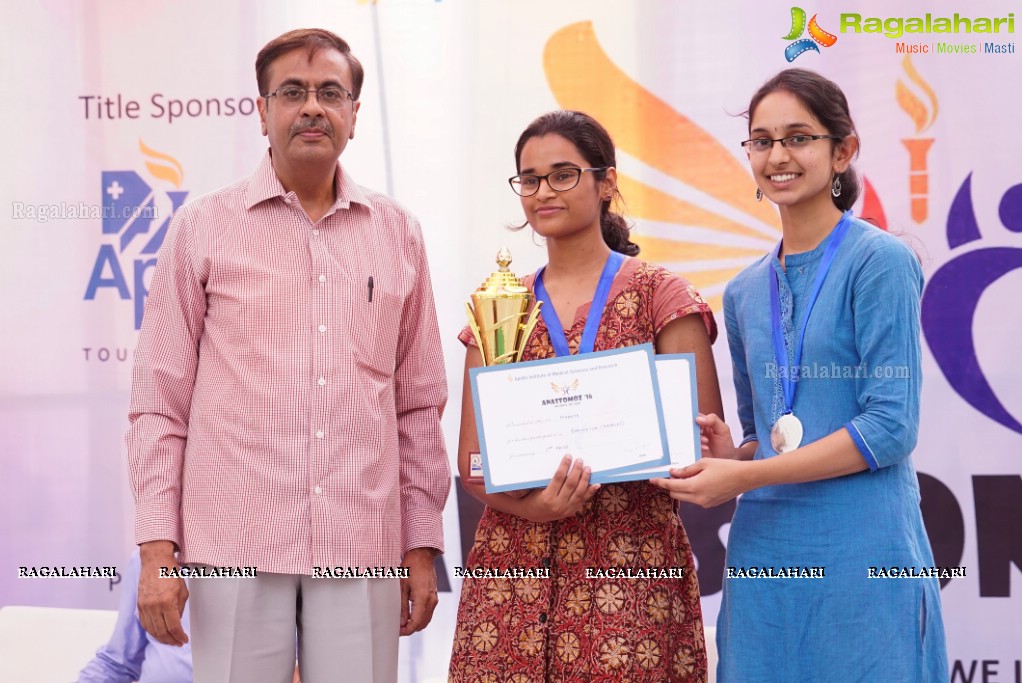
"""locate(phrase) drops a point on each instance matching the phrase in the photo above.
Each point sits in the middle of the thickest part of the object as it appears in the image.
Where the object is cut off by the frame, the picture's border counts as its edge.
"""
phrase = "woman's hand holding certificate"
(565, 495)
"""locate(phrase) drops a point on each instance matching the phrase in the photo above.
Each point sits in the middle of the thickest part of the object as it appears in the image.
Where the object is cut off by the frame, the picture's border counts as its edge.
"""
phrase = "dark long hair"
(824, 99)
(594, 144)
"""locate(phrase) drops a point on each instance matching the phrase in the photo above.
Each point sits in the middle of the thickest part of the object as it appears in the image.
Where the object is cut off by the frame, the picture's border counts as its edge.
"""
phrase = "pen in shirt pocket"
(370, 289)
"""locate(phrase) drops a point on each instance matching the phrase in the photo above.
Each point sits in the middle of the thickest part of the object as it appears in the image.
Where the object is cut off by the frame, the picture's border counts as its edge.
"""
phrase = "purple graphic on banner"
(121, 190)
(950, 300)
(962, 227)
(129, 210)
(128, 206)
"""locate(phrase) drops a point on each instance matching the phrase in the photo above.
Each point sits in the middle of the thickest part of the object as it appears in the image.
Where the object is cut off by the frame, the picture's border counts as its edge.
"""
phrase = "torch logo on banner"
(918, 147)
(803, 45)
(129, 211)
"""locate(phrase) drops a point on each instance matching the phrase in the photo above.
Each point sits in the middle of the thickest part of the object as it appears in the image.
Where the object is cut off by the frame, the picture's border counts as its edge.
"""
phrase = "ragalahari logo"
(129, 211)
(803, 45)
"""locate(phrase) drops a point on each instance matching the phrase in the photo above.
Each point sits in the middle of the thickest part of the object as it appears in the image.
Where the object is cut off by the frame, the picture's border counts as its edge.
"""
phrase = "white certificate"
(679, 399)
(601, 407)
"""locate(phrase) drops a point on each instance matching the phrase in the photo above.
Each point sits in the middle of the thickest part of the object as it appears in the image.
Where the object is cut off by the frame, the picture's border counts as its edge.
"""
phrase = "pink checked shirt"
(288, 384)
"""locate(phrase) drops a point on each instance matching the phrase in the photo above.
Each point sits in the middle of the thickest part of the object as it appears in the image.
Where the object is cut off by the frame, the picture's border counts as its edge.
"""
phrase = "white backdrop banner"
(118, 113)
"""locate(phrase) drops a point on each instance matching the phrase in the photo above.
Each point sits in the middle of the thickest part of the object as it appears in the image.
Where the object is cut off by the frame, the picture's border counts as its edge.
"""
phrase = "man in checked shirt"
(286, 402)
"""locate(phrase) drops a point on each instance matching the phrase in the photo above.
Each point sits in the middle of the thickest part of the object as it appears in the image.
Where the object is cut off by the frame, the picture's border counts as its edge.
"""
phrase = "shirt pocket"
(374, 325)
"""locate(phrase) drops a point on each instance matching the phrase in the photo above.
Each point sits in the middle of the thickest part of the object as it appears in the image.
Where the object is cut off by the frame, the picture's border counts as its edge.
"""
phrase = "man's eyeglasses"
(333, 97)
(760, 145)
(561, 180)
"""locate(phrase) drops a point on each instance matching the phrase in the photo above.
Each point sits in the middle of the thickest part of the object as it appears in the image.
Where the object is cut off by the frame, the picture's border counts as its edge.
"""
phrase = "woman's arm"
(712, 481)
(566, 493)
(688, 335)
(885, 306)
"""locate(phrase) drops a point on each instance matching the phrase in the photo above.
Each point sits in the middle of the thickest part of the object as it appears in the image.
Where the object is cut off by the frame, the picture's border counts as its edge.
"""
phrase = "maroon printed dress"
(570, 628)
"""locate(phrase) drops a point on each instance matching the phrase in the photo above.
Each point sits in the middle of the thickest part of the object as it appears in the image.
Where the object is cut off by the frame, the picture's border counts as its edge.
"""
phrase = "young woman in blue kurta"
(842, 495)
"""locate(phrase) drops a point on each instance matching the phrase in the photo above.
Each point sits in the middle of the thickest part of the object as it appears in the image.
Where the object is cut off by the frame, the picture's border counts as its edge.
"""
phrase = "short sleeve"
(675, 298)
(466, 337)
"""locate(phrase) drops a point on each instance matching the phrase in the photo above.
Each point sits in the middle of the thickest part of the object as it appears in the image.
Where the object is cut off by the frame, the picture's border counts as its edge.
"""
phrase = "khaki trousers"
(245, 630)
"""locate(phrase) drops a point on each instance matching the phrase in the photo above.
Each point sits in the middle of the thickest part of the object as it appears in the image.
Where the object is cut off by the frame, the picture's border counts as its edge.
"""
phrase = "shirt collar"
(264, 184)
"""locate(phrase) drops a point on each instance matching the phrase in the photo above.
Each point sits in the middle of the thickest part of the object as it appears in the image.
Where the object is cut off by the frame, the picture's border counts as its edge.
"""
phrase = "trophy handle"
(530, 325)
(474, 326)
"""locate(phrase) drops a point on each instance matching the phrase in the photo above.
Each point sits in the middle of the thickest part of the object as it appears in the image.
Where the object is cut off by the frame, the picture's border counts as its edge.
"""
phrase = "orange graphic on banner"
(582, 76)
(172, 173)
(819, 35)
(918, 147)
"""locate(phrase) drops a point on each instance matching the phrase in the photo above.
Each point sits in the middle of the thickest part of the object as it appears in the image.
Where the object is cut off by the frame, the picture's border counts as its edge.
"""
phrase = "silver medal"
(786, 434)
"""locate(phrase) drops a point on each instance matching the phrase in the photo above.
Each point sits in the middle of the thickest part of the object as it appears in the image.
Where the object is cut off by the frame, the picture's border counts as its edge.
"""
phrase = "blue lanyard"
(553, 323)
(789, 379)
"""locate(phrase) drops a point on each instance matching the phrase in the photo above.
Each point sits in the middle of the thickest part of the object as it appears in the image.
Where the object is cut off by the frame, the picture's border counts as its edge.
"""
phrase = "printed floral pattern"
(610, 598)
(647, 653)
(485, 636)
(570, 628)
(614, 654)
(616, 500)
(568, 647)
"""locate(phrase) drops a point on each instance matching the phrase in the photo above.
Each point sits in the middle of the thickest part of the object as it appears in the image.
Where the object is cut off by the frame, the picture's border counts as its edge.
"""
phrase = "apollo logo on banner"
(130, 212)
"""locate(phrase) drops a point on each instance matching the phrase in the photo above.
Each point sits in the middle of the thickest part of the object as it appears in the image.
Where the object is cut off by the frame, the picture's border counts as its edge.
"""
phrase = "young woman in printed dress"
(570, 627)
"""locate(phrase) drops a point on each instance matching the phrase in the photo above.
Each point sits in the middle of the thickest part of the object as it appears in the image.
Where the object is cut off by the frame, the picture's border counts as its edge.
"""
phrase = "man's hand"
(161, 601)
(419, 589)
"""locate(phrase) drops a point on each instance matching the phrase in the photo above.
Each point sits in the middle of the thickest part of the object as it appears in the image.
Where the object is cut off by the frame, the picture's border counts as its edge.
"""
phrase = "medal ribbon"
(780, 347)
(553, 323)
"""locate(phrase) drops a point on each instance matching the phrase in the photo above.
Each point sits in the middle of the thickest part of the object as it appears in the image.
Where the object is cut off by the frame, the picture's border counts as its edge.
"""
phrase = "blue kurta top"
(860, 372)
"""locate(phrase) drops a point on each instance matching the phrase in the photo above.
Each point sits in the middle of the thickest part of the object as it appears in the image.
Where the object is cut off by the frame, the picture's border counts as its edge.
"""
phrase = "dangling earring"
(759, 195)
(835, 187)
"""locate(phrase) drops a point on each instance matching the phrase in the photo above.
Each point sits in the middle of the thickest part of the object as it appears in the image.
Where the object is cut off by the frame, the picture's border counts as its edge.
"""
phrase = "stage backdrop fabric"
(118, 113)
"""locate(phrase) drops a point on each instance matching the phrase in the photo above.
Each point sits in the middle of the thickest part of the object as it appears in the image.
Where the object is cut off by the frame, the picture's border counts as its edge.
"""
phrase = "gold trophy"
(497, 314)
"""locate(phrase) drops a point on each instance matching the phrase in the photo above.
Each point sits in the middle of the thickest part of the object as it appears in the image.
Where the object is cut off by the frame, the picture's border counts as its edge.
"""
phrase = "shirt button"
(322, 278)
(315, 233)
(546, 562)
(318, 490)
(322, 328)
(322, 381)
(319, 434)
(542, 615)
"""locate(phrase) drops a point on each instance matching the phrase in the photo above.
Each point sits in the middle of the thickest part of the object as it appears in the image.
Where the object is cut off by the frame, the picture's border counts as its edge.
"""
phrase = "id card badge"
(475, 467)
